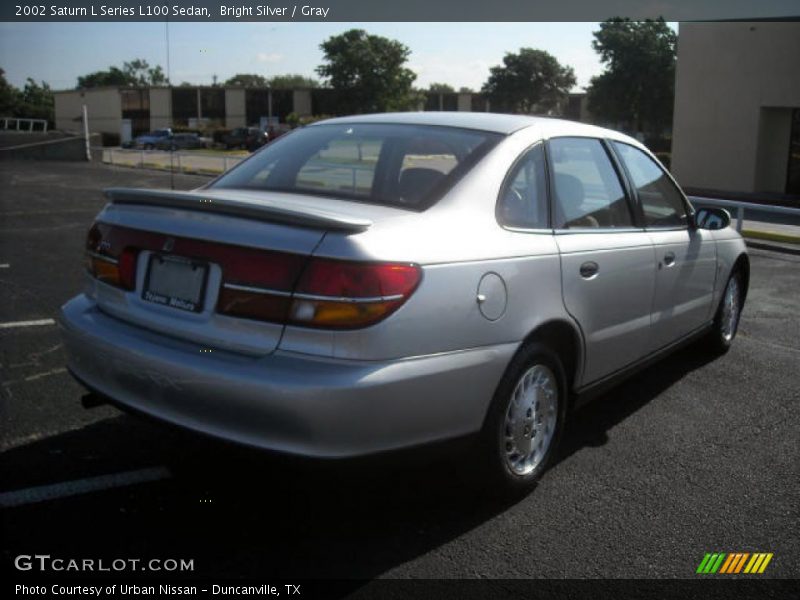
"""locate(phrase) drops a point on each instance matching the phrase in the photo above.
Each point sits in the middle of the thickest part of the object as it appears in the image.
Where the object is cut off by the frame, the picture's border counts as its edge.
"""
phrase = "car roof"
(495, 122)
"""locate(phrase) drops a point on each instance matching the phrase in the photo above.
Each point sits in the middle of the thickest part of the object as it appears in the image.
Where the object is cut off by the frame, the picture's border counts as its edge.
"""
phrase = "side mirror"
(712, 218)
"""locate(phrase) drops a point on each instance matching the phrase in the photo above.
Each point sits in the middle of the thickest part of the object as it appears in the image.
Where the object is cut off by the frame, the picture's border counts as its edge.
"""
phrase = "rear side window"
(661, 201)
(408, 166)
(587, 190)
(523, 200)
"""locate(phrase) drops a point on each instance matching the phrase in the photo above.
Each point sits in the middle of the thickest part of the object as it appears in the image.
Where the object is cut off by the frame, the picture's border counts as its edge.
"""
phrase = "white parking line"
(7, 384)
(34, 323)
(5, 266)
(66, 489)
(45, 374)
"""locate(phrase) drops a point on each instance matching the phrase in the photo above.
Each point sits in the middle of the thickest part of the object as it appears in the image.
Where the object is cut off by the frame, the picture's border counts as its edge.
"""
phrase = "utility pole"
(171, 124)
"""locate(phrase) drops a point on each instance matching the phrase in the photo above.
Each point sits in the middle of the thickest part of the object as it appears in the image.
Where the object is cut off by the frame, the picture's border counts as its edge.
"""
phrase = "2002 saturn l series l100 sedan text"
(383, 281)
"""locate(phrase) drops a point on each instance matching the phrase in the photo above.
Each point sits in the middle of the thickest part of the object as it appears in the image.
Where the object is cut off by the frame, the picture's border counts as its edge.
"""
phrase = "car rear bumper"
(283, 401)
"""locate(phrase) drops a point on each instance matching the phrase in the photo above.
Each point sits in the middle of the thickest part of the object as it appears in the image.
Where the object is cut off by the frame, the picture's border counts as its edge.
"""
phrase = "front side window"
(408, 166)
(661, 201)
(587, 191)
(523, 200)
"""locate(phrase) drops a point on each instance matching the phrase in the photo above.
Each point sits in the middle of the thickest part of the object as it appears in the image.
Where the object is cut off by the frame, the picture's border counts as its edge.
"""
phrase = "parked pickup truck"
(250, 138)
(149, 140)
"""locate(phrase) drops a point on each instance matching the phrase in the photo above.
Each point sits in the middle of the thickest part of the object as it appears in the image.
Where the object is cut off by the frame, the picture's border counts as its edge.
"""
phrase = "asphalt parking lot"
(693, 455)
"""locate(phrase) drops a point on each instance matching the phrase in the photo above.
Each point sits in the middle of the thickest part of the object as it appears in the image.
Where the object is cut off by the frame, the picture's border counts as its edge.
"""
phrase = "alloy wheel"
(530, 420)
(730, 309)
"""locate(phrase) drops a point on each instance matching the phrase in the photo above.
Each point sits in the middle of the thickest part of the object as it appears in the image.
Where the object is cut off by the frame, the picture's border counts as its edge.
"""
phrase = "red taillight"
(257, 284)
(127, 268)
(340, 294)
(265, 285)
(108, 261)
(330, 294)
(324, 277)
(239, 302)
(250, 267)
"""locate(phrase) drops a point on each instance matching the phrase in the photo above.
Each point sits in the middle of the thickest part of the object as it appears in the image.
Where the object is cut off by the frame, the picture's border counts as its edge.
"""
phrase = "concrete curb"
(773, 246)
(159, 169)
(772, 240)
(771, 236)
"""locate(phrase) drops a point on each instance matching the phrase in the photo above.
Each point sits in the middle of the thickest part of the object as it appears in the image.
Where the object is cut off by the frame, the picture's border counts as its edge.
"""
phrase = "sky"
(459, 54)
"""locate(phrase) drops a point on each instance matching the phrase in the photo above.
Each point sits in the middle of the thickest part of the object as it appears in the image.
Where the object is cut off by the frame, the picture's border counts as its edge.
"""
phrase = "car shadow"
(589, 425)
(238, 512)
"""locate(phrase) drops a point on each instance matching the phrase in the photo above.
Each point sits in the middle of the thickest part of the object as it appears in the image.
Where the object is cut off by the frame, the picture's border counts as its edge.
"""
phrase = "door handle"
(589, 269)
(669, 259)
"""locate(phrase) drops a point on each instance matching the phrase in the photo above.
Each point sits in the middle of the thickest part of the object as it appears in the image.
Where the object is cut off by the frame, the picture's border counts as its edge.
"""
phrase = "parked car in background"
(276, 131)
(383, 281)
(249, 138)
(181, 141)
(149, 140)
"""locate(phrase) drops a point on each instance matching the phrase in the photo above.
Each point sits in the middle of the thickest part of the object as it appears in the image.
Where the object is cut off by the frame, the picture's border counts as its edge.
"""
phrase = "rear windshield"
(409, 166)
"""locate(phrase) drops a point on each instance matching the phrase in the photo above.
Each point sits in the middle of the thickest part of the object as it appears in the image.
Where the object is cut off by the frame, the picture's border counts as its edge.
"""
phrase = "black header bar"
(393, 10)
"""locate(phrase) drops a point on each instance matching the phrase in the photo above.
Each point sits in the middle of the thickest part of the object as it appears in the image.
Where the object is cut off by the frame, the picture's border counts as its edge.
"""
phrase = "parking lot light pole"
(86, 133)
(269, 105)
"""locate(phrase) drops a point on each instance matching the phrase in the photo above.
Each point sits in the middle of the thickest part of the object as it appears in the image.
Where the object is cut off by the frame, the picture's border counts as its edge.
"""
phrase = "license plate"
(176, 282)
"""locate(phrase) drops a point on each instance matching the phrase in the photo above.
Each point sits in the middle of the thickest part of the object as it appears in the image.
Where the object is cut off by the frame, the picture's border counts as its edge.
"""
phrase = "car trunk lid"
(184, 251)
(301, 211)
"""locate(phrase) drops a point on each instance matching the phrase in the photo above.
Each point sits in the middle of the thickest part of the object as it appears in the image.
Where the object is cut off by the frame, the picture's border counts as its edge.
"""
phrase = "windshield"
(409, 166)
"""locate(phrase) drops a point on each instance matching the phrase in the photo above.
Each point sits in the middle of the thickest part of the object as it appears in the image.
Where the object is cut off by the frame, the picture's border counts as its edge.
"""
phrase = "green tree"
(528, 81)
(34, 101)
(292, 81)
(111, 77)
(137, 72)
(142, 74)
(369, 72)
(37, 101)
(248, 80)
(9, 97)
(637, 89)
(288, 81)
(441, 88)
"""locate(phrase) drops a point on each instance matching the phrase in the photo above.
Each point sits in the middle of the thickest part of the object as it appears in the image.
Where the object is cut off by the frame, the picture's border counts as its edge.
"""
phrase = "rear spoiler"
(229, 204)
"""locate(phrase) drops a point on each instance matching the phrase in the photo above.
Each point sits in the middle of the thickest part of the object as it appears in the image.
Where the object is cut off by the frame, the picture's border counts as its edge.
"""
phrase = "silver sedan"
(376, 282)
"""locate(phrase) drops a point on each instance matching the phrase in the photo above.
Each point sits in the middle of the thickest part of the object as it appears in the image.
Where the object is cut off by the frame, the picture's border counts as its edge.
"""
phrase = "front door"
(685, 258)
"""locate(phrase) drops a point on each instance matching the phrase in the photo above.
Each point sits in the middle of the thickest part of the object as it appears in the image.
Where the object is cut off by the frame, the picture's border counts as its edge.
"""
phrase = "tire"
(148, 146)
(514, 457)
(726, 319)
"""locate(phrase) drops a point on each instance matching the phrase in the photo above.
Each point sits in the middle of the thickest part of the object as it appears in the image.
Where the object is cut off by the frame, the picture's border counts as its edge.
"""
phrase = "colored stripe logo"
(733, 563)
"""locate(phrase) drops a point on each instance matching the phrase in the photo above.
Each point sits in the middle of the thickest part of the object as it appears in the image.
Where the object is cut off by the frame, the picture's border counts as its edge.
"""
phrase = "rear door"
(685, 257)
(607, 264)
